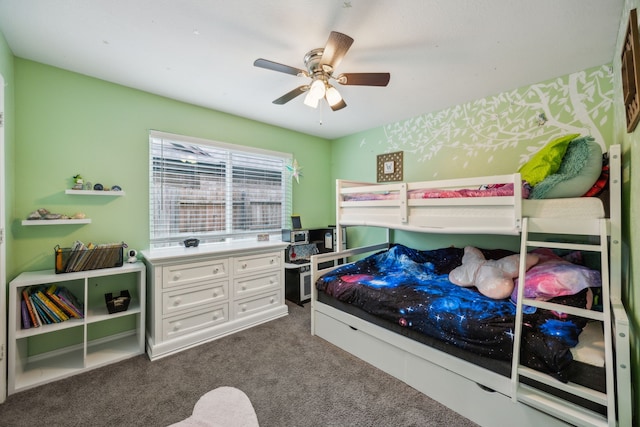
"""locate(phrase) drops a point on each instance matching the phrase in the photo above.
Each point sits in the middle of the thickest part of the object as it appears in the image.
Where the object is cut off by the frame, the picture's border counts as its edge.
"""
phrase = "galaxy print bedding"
(411, 288)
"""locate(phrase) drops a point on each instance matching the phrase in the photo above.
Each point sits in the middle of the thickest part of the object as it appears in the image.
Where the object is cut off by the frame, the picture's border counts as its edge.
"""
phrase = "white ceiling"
(439, 52)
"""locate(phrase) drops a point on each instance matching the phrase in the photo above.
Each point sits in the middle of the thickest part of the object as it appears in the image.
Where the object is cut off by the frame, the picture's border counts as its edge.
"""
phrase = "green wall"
(69, 123)
(631, 207)
(6, 69)
(493, 135)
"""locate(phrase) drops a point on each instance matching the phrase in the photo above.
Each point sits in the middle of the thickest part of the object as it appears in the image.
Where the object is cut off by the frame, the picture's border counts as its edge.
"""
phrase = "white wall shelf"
(94, 193)
(55, 221)
(26, 370)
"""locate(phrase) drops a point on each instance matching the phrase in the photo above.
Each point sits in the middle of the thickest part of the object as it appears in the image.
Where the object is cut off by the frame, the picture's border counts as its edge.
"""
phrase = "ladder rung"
(559, 245)
(573, 414)
(575, 389)
(582, 312)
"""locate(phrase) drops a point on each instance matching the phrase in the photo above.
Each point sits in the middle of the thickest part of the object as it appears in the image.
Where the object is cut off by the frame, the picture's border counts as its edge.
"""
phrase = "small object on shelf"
(133, 256)
(98, 187)
(44, 214)
(116, 188)
(191, 243)
(88, 185)
(117, 304)
(78, 182)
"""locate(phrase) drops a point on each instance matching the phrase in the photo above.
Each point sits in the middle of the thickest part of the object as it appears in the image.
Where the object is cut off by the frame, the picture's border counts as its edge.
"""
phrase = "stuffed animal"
(493, 278)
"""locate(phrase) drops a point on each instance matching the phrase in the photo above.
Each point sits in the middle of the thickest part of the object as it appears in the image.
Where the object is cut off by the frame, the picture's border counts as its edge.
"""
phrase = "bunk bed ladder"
(539, 399)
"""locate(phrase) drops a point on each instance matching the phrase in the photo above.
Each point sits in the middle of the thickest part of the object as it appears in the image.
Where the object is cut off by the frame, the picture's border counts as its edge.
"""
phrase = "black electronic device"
(191, 243)
(296, 222)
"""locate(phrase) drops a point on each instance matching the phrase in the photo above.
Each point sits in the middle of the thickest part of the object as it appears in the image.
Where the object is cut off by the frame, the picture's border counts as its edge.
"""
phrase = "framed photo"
(389, 167)
(630, 63)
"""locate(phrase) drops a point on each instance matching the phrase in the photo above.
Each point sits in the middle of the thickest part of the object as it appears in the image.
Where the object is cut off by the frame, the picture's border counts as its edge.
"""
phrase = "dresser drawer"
(193, 297)
(194, 321)
(251, 285)
(256, 304)
(256, 263)
(184, 274)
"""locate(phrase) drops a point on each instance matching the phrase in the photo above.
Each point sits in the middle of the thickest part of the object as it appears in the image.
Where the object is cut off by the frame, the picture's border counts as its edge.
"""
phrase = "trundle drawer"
(193, 321)
(256, 263)
(184, 274)
(362, 345)
(256, 304)
(178, 300)
(452, 389)
(251, 285)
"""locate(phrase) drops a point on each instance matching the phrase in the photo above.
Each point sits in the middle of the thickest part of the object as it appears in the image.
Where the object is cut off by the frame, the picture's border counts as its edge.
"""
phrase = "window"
(214, 191)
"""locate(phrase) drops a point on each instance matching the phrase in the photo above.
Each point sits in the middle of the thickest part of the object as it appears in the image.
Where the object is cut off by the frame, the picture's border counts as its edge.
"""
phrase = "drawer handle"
(215, 293)
(177, 276)
(216, 270)
(177, 301)
(272, 261)
(244, 265)
(215, 316)
(176, 326)
(272, 280)
(272, 300)
(244, 307)
(244, 287)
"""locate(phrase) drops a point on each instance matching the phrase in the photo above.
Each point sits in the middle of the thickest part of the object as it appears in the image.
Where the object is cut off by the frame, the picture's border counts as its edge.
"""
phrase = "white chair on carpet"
(222, 407)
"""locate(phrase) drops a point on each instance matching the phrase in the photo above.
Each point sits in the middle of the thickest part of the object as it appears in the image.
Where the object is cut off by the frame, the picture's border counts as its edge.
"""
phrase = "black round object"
(98, 187)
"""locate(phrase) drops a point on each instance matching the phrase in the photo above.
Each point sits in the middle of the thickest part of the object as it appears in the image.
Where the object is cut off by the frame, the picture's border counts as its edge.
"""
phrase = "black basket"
(68, 260)
(119, 303)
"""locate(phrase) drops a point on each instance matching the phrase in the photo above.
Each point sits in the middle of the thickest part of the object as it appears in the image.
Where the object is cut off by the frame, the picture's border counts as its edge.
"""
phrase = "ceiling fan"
(320, 64)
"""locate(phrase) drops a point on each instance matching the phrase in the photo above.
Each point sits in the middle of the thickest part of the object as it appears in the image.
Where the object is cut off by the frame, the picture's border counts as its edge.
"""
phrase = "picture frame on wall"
(389, 167)
(630, 57)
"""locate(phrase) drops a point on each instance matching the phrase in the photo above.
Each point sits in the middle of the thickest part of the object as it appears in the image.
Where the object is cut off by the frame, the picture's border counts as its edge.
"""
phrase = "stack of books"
(92, 256)
(45, 305)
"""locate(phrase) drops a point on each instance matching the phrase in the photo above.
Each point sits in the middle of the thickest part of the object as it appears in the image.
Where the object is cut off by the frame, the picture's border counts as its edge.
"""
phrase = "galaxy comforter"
(412, 288)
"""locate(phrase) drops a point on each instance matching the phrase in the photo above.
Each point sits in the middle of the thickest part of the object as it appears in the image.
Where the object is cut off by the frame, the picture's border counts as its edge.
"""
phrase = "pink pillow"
(554, 276)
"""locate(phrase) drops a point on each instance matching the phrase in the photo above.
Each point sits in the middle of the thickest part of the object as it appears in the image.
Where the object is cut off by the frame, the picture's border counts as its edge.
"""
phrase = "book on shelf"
(44, 317)
(26, 320)
(70, 299)
(64, 306)
(46, 305)
(48, 314)
(35, 321)
(54, 308)
(92, 256)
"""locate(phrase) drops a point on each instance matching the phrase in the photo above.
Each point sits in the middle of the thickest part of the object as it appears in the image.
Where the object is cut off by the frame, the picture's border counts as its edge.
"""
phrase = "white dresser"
(195, 295)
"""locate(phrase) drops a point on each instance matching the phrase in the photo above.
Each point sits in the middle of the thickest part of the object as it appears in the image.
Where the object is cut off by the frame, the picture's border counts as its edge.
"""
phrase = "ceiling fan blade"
(292, 94)
(335, 49)
(270, 65)
(364, 79)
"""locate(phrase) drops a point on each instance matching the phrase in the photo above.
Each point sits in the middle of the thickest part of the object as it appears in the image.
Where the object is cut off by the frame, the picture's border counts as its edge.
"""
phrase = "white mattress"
(577, 207)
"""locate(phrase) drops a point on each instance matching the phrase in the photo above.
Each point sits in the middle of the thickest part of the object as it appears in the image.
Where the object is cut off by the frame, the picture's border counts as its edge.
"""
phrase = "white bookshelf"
(26, 370)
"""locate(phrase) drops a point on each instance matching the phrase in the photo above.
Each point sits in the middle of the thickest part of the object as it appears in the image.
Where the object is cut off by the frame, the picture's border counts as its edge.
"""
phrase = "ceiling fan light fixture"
(317, 89)
(310, 100)
(333, 96)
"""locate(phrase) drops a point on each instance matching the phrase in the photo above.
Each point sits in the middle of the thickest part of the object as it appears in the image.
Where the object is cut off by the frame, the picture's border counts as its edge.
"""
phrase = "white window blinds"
(214, 191)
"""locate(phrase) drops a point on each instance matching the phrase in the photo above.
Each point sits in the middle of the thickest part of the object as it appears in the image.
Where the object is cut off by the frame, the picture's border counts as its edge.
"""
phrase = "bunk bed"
(482, 387)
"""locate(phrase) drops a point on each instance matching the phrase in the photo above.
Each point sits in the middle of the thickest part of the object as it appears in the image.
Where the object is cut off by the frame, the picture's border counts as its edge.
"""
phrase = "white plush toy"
(493, 278)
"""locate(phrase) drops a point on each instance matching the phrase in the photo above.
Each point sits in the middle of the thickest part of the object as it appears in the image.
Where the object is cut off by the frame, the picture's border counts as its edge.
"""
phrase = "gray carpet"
(291, 377)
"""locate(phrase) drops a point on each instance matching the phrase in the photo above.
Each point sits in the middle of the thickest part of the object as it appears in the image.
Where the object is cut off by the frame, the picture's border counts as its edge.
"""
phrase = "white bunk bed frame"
(481, 395)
